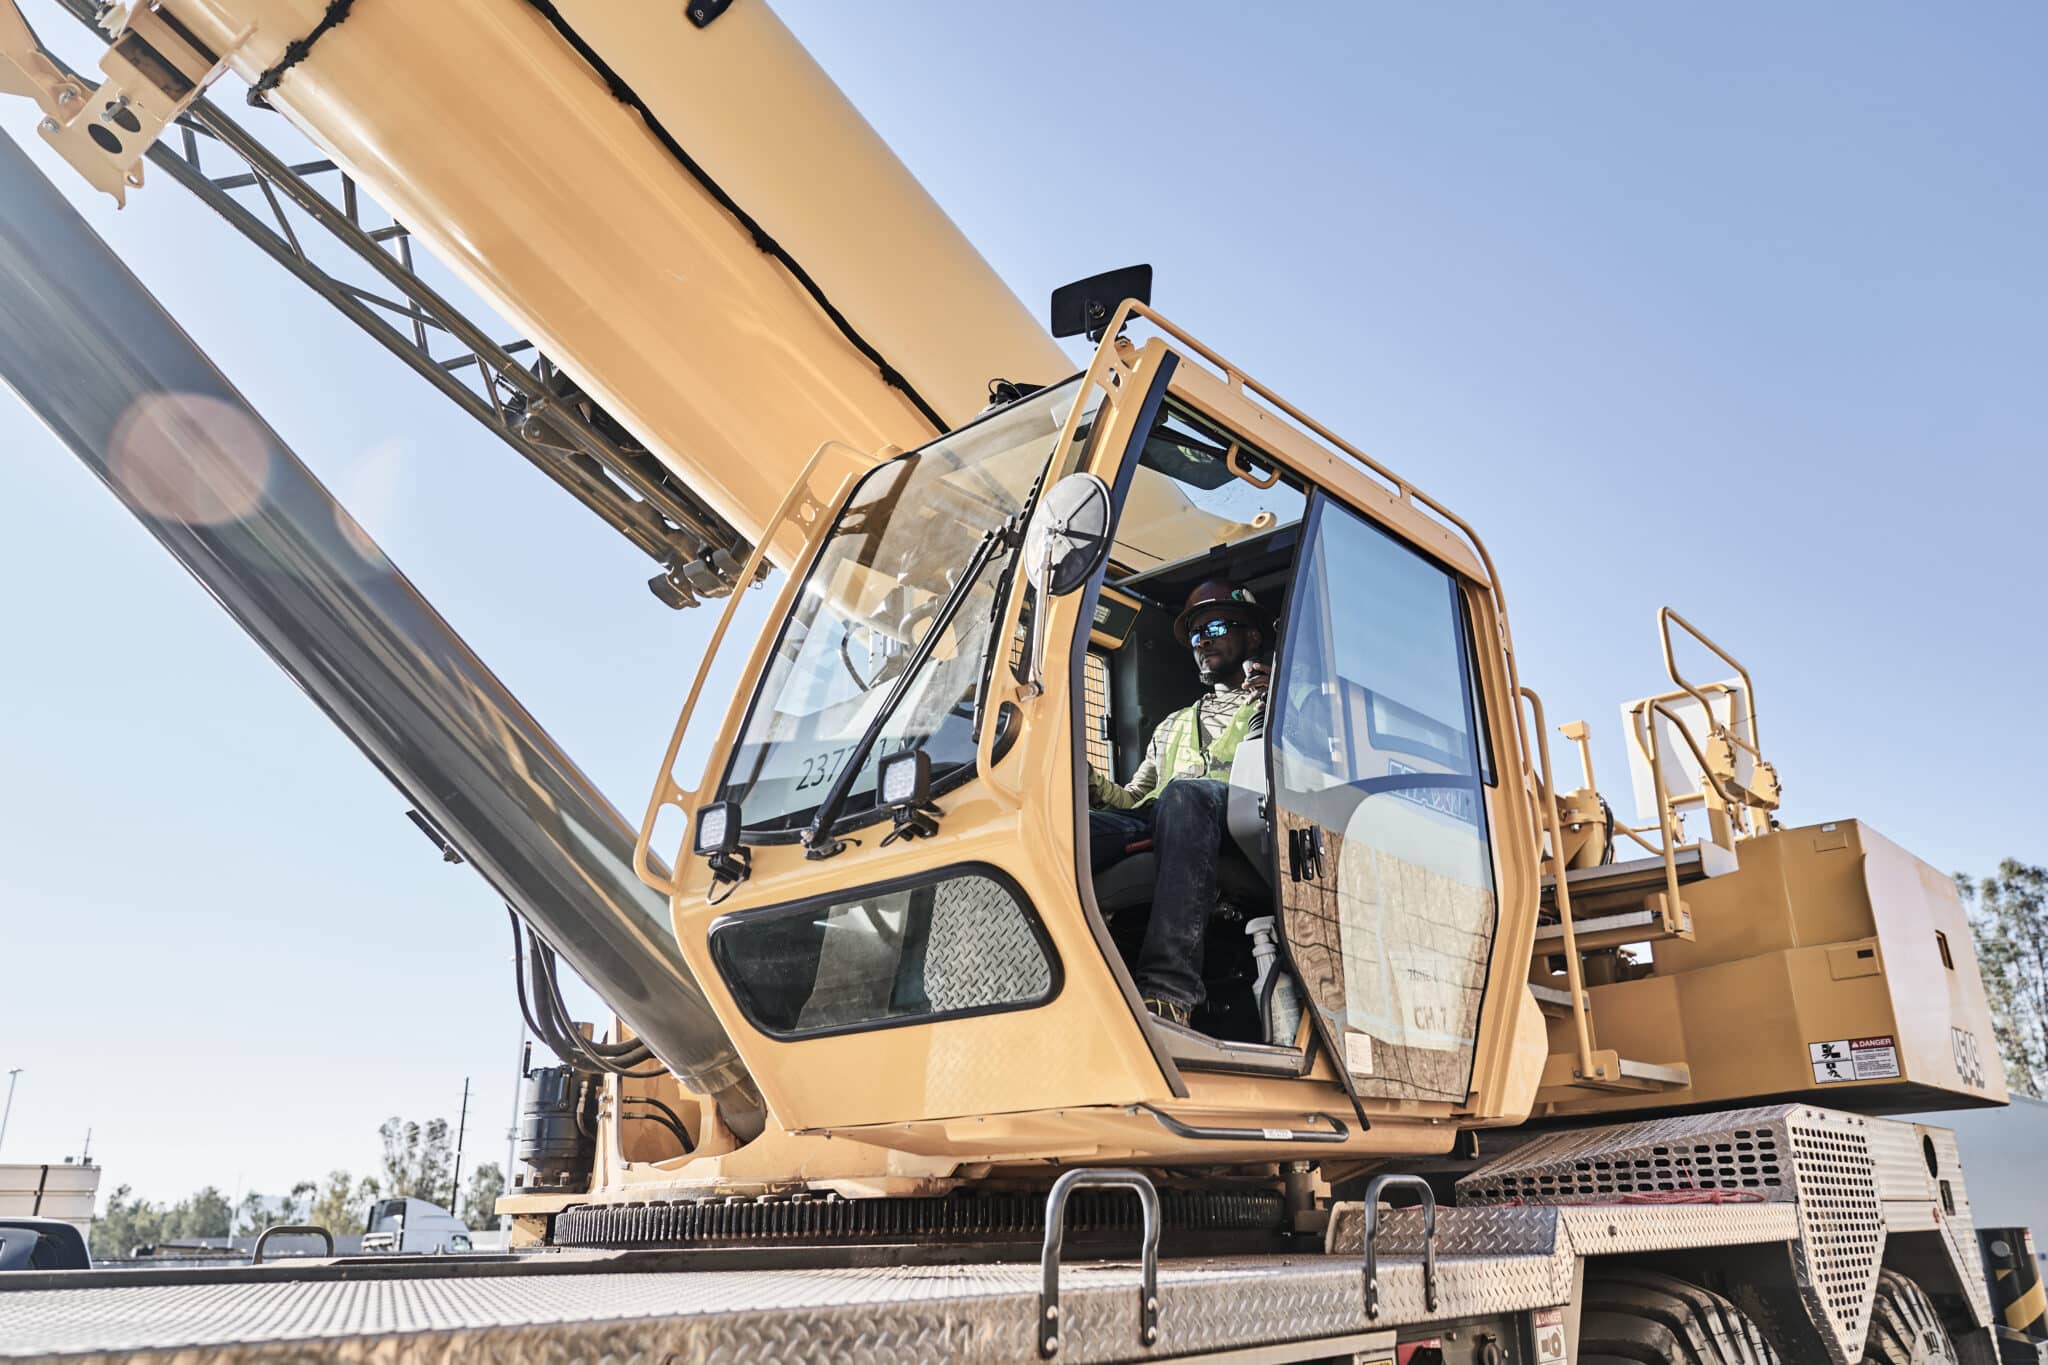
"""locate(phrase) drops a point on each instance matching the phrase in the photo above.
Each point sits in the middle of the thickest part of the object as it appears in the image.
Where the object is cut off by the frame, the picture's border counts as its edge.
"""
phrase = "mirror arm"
(1034, 673)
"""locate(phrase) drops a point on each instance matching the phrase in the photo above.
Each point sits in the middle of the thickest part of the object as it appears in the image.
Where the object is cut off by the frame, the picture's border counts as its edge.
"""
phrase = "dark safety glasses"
(1211, 630)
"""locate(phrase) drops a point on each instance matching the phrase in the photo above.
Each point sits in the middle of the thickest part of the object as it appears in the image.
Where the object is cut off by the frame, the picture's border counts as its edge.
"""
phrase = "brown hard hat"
(1221, 597)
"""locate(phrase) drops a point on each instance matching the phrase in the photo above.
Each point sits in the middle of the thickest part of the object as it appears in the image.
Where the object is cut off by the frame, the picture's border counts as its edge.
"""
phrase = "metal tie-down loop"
(290, 1229)
(1055, 1233)
(1372, 1218)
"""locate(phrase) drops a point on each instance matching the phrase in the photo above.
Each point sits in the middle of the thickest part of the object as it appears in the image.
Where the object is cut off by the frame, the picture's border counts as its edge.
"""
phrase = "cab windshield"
(897, 550)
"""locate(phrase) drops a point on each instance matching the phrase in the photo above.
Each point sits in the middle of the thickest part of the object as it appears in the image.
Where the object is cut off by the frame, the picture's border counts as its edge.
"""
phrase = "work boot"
(1172, 1011)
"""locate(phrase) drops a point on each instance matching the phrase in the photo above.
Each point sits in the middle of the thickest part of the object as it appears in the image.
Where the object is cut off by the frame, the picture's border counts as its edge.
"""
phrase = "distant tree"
(2009, 919)
(205, 1214)
(341, 1202)
(480, 1205)
(125, 1224)
(128, 1222)
(416, 1158)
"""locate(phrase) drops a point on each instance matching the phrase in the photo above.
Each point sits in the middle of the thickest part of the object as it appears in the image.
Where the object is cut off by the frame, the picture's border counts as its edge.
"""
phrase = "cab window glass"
(964, 944)
(1378, 781)
(1185, 499)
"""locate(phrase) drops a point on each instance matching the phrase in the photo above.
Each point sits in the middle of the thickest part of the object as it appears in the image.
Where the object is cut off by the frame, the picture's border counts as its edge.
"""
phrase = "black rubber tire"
(1904, 1328)
(1643, 1317)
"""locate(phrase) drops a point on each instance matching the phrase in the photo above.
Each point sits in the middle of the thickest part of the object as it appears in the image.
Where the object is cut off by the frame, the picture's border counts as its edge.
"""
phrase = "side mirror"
(1068, 537)
(1086, 305)
(1066, 542)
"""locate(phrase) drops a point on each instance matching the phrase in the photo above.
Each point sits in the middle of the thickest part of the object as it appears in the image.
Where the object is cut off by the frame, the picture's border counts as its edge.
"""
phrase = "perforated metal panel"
(1841, 1223)
(1817, 1160)
(1743, 1152)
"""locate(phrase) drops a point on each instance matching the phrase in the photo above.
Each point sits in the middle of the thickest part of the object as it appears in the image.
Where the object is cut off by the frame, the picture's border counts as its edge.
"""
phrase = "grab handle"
(1372, 1217)
(1055, 1234)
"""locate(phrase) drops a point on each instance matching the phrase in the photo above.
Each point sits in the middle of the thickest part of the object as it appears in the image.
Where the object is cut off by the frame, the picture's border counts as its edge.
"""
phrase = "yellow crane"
(881, 985)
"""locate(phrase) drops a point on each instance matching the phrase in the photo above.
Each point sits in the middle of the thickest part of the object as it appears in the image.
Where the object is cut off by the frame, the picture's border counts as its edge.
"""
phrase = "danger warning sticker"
(1854, 1059)
(1549, 1325)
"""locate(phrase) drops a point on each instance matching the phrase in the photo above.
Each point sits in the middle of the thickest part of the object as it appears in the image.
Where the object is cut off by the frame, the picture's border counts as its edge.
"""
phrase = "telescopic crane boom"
(688, 217)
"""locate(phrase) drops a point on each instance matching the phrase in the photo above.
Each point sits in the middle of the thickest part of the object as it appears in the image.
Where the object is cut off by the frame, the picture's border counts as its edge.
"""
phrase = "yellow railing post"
(1667, 816)
(1573, 970)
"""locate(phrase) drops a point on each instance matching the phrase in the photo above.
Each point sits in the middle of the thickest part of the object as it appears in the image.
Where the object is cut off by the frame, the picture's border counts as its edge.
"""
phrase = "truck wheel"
(1904, 1328)
(1642, 1317)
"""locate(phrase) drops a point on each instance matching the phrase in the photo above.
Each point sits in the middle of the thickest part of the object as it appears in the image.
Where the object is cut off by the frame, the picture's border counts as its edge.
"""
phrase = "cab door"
(1384, 869)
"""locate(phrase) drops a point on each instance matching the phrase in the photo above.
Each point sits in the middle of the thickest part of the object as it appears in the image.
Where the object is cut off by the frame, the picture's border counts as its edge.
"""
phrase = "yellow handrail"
(1707, 774)
(1667, 818)
(1666, 618)
(1574, 973)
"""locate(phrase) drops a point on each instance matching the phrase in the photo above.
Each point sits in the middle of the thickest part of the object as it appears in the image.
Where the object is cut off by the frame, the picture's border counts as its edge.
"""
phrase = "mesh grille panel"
(1819, 1162)
(1844, 1229)
(1741, 1153)
(1094, 702)
(1095, 711)
(1745, 1159)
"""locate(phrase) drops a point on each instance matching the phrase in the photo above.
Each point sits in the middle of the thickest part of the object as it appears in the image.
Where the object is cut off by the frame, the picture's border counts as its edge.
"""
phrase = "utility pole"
(85, 1156)
(518, 1107)
(9, 1110)
(461, 1127)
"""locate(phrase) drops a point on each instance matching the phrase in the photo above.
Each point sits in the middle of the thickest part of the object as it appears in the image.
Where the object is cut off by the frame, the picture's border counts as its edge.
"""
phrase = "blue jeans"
(1187, 829)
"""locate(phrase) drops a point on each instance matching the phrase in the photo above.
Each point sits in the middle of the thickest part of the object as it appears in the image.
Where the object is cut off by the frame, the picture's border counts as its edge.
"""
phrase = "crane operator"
(1180, 794)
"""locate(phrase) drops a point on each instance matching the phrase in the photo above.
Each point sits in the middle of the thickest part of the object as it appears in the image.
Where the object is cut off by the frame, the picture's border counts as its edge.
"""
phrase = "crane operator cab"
(955, 794)
(1375, 739)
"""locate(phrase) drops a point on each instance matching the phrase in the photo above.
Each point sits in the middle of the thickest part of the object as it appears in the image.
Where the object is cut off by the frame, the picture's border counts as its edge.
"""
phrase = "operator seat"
(1130, 881)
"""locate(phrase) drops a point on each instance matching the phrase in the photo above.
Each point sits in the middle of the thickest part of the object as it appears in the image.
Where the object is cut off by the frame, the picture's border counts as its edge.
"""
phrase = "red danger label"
(1854, 1059)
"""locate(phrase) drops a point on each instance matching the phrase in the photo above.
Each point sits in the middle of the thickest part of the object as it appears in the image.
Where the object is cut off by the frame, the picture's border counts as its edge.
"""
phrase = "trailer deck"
(877, 1304)
(590, 1305)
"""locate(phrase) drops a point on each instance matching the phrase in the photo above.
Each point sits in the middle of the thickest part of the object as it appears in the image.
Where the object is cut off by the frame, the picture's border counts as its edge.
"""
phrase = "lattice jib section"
(1841, 1219)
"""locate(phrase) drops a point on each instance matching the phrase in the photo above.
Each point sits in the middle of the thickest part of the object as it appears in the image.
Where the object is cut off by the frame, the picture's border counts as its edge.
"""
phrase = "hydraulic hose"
(549, 1021)
(668, 1118)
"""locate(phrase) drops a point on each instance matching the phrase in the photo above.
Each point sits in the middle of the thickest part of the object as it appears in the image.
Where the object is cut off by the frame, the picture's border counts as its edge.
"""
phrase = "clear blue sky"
(1740, 309)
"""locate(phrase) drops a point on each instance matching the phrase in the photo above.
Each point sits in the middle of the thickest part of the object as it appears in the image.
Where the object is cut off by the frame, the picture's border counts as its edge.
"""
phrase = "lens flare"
(190, 458)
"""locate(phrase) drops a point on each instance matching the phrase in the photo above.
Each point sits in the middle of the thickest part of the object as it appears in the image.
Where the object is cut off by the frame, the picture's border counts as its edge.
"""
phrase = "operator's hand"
(1256, 676)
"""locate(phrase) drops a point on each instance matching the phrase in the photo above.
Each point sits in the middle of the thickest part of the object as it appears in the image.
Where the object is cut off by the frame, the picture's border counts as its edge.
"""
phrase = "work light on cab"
(905, 783)
(717, 840)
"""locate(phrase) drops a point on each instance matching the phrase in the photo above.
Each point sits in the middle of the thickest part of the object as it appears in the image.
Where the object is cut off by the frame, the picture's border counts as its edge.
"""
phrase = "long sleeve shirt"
(1195, 741)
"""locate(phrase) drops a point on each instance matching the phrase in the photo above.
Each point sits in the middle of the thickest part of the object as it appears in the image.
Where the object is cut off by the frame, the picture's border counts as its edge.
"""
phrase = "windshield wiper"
(818, 840)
